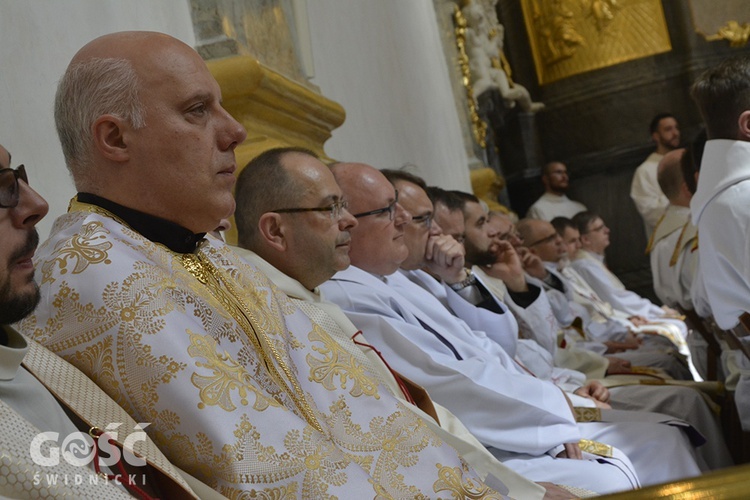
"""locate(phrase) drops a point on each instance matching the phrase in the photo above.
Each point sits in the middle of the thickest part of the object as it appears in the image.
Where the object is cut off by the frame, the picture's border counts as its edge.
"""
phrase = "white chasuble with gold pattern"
(240, 388)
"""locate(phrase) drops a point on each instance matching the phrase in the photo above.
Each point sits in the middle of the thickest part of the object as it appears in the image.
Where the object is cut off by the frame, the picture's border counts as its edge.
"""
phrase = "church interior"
(471, 95)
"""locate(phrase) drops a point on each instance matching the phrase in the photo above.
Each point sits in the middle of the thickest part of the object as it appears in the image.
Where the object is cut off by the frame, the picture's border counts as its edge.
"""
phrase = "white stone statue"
(484, 42)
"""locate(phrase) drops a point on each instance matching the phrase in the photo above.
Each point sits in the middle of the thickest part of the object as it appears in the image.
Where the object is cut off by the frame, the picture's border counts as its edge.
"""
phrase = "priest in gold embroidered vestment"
(241, 388)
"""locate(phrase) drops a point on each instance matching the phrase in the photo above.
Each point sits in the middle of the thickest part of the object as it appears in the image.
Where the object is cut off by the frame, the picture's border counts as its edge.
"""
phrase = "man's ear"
(109, 138)
(273, 231)
(584, 239)
(743, 125)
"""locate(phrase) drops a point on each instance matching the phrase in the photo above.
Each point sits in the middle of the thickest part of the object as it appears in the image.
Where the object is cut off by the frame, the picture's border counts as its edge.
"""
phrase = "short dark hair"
(561, 224)
(582, 220)
(464, 196)
(439, 195)
(394, 175)
(262, 186)
(722, 93)
(548, 166)
(654, 125)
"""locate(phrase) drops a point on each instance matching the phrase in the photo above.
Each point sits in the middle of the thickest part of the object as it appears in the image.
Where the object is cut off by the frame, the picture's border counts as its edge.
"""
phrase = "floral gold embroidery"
(227, 376)
(396, 441)
(451, 480)
(83, 250)
(336, 362)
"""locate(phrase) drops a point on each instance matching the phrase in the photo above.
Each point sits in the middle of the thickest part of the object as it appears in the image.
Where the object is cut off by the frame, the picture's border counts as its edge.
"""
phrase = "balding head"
(541, 238)
(104, 77)
(671, 181)
(377, 244)
(141, 124)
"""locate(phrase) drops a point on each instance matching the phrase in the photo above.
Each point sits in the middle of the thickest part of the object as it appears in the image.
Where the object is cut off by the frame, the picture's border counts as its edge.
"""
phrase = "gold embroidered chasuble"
(227, 371)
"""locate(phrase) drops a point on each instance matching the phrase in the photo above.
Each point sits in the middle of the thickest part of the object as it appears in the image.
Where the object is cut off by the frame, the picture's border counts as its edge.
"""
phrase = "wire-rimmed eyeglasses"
(425, 219)
(336, 209)
(391, 209)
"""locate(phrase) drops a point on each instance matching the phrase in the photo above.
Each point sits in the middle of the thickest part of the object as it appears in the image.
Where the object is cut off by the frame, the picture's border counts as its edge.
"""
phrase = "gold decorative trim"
(583, 414)
(596, 448)
(478, 127)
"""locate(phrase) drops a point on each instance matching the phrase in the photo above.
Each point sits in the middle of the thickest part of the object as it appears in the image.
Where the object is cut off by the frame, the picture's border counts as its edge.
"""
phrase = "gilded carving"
(478, 127)
(734, 33)
(569, 37)
(726, 20)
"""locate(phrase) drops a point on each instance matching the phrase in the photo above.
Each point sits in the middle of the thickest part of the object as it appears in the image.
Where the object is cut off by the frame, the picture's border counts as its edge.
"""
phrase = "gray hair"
(88, 90)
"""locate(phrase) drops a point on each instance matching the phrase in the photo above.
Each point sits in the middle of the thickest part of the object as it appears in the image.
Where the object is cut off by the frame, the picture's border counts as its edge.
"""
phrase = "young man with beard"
(644, 189)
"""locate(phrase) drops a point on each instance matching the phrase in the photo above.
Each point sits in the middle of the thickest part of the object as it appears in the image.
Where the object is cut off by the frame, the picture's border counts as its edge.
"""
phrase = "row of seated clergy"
(461, 367)
(605, 330)
(589, 263)
(537, 321)
(233, 378)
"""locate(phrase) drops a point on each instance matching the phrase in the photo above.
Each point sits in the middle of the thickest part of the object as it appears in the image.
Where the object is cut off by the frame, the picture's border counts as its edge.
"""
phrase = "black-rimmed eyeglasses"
(425, 219)
(9, 185)
(546, 239)
(391, 209)
(336, 209)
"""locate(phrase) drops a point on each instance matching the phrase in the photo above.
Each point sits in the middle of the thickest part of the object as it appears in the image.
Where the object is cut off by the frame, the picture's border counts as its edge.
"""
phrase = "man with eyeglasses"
(289, 246)
(37, 387)
(526, 422)
(177, 327)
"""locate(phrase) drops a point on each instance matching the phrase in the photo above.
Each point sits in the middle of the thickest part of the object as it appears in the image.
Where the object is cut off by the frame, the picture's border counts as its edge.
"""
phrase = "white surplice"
(673, 268)
(32, 398)
(475, 378)
(721, 212)
(646, 194)
(609, 324)
(551, 205)
(609, 287)
(678, 402)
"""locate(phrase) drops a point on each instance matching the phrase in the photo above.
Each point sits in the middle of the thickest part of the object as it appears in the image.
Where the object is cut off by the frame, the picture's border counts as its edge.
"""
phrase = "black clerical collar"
(173, 236)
